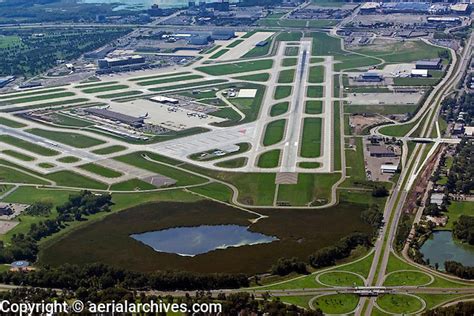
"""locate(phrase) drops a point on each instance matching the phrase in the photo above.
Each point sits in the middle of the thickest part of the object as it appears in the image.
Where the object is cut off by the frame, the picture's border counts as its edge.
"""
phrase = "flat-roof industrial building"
(428, 64)
(115, 116)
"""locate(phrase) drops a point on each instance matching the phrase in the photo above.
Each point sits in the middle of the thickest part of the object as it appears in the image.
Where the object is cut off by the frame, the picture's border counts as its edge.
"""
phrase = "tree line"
(25, 246)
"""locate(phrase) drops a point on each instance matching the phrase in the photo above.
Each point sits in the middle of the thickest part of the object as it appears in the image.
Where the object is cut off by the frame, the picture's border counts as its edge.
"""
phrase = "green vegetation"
(11, 123)
(25, 54)
(17, 155)
(235, 43)
(169, 79)
(309, 165)
(120, 94)
(262, 77)
(68, 159)
(282, 92)
(407, 278)
(139, 160)
(109, 150)
(315, 92)
(456, 209)
(314, 107)
(66, 120)
(71, 139)
(286, 76)
(38, 98)
(316, 74)
(8, 174)
(397, 130)
(274, 132)
(337, 303)
(46, 165)
(233, 68)
(269, 159)
(289, 36)
(219, 53)
(209, 155)
(214, 190)
(101, 170)
(292, 51)
(259, 51)
(311, 140)
(37, 149)
(311, 189)
(398, 303)
(340, 278)
(132, 185)
(279, 108)
(105, 89)
(233, 163)
(289, 62)
(72, 179)
(97, 84)
(173, 74)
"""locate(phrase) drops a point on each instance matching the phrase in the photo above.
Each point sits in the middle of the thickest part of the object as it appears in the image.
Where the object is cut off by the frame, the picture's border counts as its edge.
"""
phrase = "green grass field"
(10, 123)
(340, 278)
(8, 174)
(168, 80)
(238, 67)
(132, 185)
(398, 304)
(219, 53)
(101, 170)
(337, 303)
(274, 132)
(34, 148)
(71, 139)
(37, 98)
(311, 189)
(105, 89)
(279, 108)
(286, 76)
(407, 278)
(456, 209)
(311, 140)
(314, 107)
(315, 92)
(289, 62)
(68, 159)
(233, 163)
(72, 179)
(309, 164)
(17, 155)
(380, 109)
(109, 150)
(282, 92)
(120, 94)
(316, 74)
(269, 159)
(262, 77)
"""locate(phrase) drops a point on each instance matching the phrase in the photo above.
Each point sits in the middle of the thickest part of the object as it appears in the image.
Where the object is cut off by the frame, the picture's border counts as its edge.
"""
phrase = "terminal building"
(107, 63)
(6, 80)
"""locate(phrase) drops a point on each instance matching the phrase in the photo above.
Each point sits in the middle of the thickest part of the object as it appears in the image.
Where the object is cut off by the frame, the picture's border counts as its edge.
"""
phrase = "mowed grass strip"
(316, 74)
(98, 84)
(132, 185)
(269, 159)
(219, 53)
(233, 68)
(109, 150)
(71, 139)
(73, 179)
(119, 94)
(105, 89)
(68, 159)
(289, 62)
(274, 132)
(25, 94)
(23, 144)
(314, 107)
(10, 123)
(262, 77)
(235, 43)
(279, 108)
(17, 155)
(315, 92)
(282, 92)
(311, 142)
(159, 76)
(286, 76)
(138, 160)
(8, 174)
(101, 170)
(167, 80)
(38, 98)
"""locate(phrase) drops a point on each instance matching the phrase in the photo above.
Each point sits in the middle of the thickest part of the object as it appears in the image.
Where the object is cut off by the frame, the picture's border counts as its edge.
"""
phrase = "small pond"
(442, 247)
(191, 241)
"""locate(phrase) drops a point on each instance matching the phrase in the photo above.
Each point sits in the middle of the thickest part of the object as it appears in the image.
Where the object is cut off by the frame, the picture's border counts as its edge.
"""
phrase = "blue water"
(442, 247)
(191, 241)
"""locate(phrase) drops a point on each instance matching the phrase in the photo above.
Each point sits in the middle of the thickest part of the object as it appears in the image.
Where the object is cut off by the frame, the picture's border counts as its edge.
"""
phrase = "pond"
(191, 241)
(442, 247)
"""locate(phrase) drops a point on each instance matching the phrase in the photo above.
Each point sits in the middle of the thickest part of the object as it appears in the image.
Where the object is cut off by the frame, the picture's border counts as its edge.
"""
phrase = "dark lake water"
(191, 241)
(442, 247)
